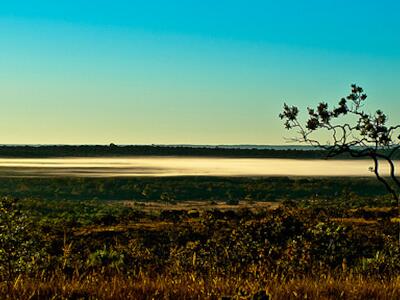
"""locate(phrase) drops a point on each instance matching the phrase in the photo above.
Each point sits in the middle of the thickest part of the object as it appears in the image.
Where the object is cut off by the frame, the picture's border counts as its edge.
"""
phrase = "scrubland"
(232, 246)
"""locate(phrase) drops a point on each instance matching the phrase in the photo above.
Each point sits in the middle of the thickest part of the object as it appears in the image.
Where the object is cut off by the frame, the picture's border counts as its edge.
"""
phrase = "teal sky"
(199, 72)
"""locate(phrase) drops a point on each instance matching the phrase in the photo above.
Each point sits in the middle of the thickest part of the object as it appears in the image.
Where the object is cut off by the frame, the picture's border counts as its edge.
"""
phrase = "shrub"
(19, 244)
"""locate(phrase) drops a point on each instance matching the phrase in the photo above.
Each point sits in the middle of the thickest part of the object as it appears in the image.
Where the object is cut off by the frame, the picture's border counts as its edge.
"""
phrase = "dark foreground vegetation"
(155, 150)
(337, 247)
(340, 191)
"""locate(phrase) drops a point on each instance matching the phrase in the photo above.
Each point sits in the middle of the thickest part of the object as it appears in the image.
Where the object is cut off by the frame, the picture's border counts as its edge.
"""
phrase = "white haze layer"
(184, 166)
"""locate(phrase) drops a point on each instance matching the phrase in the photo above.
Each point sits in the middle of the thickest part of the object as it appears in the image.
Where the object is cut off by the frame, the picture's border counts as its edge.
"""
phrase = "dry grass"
(200, 205)
(120, 228)
(354, 221)
(190, 287)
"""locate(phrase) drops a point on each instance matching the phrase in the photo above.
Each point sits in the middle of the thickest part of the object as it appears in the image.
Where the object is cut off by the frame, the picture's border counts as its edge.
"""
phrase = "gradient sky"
(198, 72)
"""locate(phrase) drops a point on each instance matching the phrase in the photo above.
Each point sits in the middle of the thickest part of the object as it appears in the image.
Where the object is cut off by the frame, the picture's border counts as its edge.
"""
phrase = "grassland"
(182, 239)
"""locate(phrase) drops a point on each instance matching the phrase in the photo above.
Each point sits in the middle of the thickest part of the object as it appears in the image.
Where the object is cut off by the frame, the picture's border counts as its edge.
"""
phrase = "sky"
(187, 72)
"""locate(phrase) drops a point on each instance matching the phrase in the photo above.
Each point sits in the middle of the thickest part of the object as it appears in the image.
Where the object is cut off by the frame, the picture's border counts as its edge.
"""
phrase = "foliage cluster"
(177, 189)
(293, 242)
(353, 131)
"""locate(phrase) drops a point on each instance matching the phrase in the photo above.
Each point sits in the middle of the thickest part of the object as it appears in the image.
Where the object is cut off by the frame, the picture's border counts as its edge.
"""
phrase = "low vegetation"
(345, 191)
(314, 248)
(46, 151)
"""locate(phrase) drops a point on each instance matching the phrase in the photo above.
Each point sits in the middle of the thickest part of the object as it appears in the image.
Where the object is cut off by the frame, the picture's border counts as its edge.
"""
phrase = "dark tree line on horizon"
(113, 150)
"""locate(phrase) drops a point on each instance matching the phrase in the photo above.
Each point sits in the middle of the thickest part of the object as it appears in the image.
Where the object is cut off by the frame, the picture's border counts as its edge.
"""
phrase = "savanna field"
(198, 238)
(199, 150)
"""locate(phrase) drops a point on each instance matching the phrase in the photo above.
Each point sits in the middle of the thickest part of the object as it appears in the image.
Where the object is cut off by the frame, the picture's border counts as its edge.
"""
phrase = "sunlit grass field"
(201, 238)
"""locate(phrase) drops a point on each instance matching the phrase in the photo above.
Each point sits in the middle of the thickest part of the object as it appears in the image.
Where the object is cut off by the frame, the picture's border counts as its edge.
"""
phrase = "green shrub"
(20, 248)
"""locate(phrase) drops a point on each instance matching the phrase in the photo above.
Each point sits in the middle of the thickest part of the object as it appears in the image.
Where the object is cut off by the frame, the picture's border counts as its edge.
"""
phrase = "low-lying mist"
(183, 166)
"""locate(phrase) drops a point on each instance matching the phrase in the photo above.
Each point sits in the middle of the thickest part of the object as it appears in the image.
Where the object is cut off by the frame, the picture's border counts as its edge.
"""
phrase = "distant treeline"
(155, 150)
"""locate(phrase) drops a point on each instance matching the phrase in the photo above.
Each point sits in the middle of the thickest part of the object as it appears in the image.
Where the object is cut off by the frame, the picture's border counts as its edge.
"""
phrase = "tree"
(350, 130)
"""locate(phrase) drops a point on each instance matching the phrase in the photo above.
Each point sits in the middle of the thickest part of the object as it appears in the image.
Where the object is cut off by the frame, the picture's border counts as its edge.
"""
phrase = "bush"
(19, 245)
(232, 202)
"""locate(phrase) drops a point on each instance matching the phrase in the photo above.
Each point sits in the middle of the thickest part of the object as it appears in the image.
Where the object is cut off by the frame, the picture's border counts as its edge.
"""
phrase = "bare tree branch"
(351, 130)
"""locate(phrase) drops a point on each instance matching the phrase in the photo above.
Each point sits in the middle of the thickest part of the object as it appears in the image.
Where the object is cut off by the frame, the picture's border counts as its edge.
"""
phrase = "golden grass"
(142, 225)
(187, 286)
(354, 220)
(200, 205)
